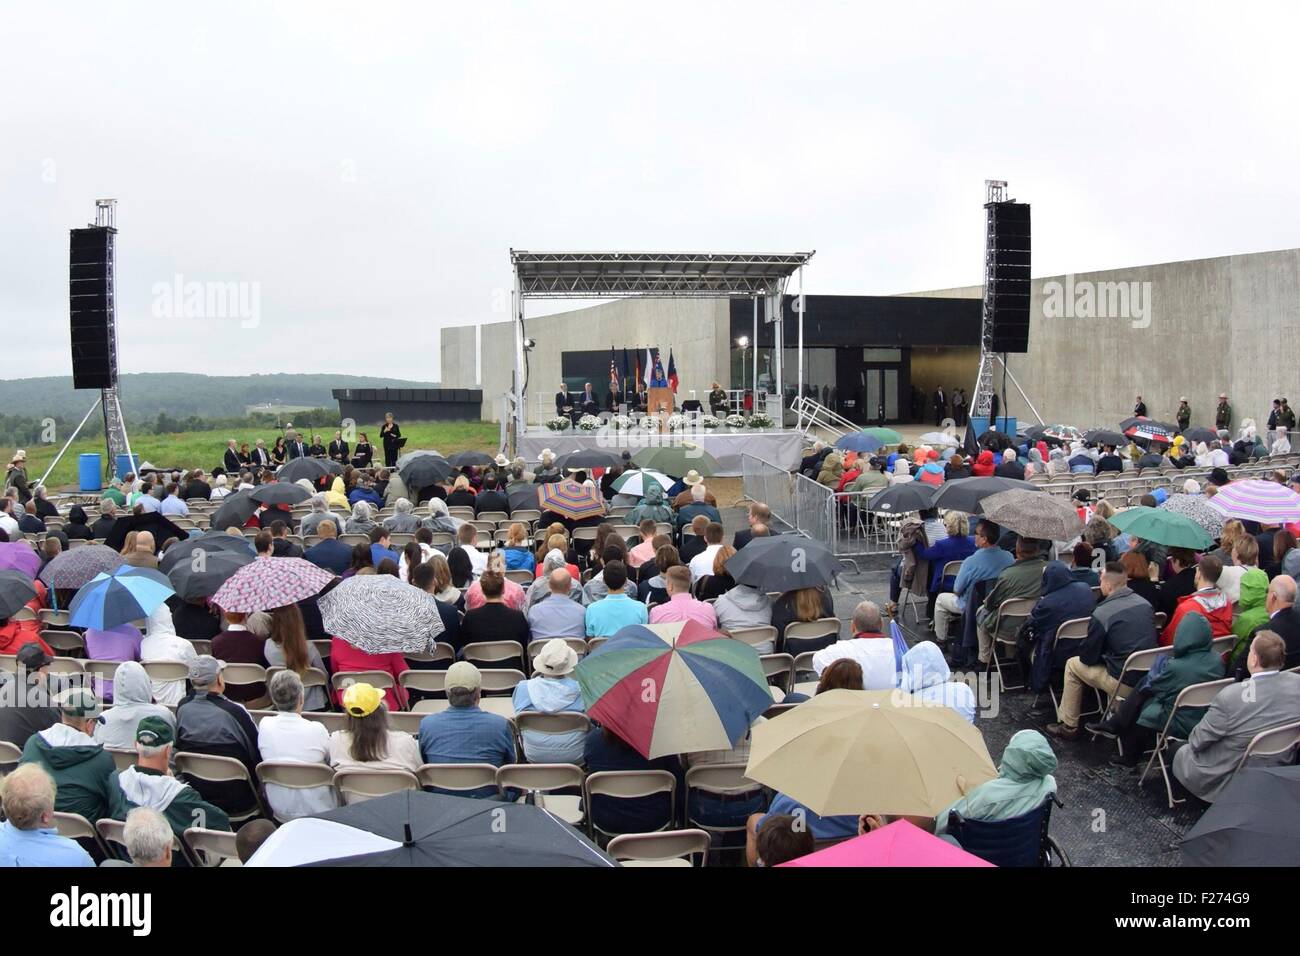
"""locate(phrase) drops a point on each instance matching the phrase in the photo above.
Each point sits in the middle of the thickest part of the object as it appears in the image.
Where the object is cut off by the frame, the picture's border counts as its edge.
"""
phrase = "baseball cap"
(463, 674)
(32, 657)
(78, 702)
(362, 699)
(204, 670)
(154, 732)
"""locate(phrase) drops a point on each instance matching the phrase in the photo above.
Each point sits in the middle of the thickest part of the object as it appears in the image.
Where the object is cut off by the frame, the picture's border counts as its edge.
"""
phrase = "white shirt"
(477, 559)
(702, 564)
(874, 654)
(10, 527)
(1281, 446)
(294, 737)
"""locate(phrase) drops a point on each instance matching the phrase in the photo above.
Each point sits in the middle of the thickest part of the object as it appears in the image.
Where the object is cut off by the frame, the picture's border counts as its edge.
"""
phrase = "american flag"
(613, 372)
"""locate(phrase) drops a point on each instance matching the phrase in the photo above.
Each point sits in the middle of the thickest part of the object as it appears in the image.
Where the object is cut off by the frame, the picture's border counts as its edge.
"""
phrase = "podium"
(659, 400)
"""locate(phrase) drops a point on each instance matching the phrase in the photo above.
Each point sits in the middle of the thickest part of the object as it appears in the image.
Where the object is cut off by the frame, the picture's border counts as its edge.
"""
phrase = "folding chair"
(488, 655)
(10, 754)
(1139, 662)
(211, 847)
(458, 777)
(803, 664)
(380, 680)
(52, 618)
(430, 706)
(331, 719)
(1016, 610)
(64, 643)
(628, 785)
(520, 577)
(213, 769)
(163, 671)
(425, 682)
(539, 781)
(722, 780)
(113, 833)
(356, 785)
(1073, 629)
(1274, 742)
(202, 646)
(76, 827)
(1191, 696)
(313, 677)
(247, 675)
(802, 636)
(294, 775)
(122, 759)
(779, 666)
(670, 848)
(579, 645)
(761, 637)
(563, 722)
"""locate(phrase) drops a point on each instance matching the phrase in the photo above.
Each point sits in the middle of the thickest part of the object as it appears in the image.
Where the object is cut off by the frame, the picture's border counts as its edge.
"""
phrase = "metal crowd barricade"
(763, 481)
(813, 509)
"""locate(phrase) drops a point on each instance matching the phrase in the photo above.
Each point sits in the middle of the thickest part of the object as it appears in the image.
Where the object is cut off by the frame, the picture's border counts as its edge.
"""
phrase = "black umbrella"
(587, 458)
(439, 830)
(211, 541)
(995, 440)
(206, 571)
(1197, 433)
(280, 493)
(1255, 821)
(902, 498)
(313, 469)
(523, 498)
(464, 459)
(1104, 436)
(785, 562)
(15, 590)
(153, 522)
(424, 470)
(234, 511)
(965, 494)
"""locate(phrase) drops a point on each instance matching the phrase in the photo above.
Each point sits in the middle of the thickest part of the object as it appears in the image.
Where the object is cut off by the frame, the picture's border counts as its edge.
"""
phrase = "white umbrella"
(634, 482)
(940, 438)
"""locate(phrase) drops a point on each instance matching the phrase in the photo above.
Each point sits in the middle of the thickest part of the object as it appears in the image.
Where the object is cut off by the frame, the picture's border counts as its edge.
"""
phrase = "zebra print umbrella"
(380, 614)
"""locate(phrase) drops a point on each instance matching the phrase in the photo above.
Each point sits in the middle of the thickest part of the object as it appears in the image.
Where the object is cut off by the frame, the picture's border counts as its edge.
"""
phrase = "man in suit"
(1283, 620)
(940, 403)
(338, 450)
(230, 461)
(562, 404)
(1269, 698)
(759, 514)
(492, 498)
(294, 448)
(329, 553)
(1139, 408)
(261, 458)
(281, 546)
(588, 400)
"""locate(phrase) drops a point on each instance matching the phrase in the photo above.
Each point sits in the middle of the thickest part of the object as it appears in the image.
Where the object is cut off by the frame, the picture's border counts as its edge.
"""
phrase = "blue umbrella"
(127, 594)
(860, 442)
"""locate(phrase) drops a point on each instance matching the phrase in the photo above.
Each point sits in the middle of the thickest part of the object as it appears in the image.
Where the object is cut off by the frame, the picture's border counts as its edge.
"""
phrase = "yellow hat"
(362, 700)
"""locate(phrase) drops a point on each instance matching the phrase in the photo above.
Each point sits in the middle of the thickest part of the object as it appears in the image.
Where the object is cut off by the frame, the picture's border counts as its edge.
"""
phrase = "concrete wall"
(695, 329)
(459, 348)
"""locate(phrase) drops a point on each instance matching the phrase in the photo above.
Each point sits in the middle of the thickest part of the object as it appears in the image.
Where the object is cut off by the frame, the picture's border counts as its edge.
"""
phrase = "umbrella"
(886, 436)
(414, 828)
(902, 498)
(380, 614)
(424, 470)
(940, 438)
(1256, 500)
(872, 751)
(860, 442)
(206, 571)
(71, 569)
(270, 583)
(1149, 429)
(783, 562)
(587, 458)
(570, 500)
(1104, 436)
(118, 597)
(1033, 514)
(1162, 527)
(1062, 433)
(996, 440)
(1252, 822)
(968, 494)
(212, 542)
(280, 493)
(1197, 433)
(15, 591)
(235, 509)
(677, 459)
(523, 498)
(19, 556)
(313, 469)
(899, 844)
(634, 482)
(153, 522)
(1197, 508)
(466, 459)
(674, 688)
(418, 453)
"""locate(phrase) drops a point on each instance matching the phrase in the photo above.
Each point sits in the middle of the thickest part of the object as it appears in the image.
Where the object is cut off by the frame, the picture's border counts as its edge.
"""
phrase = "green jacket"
(1184, 416)
(179, 804)
(1223, 415)
(1023, 782)
(1250, 604)
(1024, 579)
(868, 480)
(1193, 662)
(81, 768)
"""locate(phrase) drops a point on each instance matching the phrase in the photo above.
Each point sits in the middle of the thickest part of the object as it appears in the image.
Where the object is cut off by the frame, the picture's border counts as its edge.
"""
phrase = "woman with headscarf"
(401, 521)
(1023, 783)
(983, 467)
(132, 702)
(1035, 465)
(361, 521)
(440, 520)
(162, 643)
(78, 528)
(652, 506)
(902, 474)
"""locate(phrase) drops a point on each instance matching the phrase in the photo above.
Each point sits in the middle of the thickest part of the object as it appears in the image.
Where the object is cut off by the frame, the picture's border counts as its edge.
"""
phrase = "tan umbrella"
(879, 751)
(1032, 514)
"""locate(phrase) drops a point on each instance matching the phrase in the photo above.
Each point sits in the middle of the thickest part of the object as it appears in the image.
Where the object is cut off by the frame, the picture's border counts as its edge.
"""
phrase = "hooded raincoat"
(926, 676)
(132, 702)
(652, 506)
(1023, 782)
(1193, 662)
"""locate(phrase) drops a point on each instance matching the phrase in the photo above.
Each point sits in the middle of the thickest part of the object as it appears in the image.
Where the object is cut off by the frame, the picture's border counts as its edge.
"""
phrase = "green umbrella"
(676, 459)
(886, 436)
(1162, 527)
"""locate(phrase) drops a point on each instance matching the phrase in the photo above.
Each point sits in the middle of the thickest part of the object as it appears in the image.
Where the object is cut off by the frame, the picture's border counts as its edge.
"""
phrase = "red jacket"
(345, 657)
(983, 466)
(1212, 604)
(14, 634)
(846, 478)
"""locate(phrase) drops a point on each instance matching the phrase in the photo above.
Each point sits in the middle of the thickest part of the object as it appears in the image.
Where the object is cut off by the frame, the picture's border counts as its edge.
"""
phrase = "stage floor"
(780, 447)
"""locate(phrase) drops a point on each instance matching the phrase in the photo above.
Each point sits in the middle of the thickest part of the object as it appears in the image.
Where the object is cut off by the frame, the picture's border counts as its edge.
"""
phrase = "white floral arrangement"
(650, 423)
(557, 424)
(588, 423)
(710, 421)
(677, 422)
(759, 420)
(620, 423)
(735, 421)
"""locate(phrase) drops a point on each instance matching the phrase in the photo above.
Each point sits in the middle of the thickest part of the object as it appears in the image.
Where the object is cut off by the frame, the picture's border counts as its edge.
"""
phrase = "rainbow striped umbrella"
(674, 688)
(570, 500)
(1255, 500)
(270, 583)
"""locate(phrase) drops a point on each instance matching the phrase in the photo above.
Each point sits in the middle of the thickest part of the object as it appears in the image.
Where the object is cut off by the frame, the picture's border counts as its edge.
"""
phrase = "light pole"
(743, 342)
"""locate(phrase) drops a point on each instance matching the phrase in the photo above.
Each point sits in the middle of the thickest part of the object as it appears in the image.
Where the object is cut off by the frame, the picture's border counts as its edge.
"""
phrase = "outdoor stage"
(781, 447)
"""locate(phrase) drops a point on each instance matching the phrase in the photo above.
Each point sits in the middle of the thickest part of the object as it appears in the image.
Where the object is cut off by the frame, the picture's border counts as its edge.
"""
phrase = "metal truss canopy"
(603, 275)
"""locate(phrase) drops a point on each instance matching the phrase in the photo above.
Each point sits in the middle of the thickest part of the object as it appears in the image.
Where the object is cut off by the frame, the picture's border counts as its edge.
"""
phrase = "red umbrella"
(898, 844)
(570, 500)
(270, 583)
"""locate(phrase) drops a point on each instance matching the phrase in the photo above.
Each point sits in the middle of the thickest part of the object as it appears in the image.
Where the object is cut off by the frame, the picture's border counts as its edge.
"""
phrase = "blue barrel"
(126, 465)
(88, 472)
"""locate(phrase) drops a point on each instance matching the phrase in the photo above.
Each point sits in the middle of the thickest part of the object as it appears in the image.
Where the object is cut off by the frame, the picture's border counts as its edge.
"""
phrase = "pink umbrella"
(898, 844)
(270, 583)
(19, 556)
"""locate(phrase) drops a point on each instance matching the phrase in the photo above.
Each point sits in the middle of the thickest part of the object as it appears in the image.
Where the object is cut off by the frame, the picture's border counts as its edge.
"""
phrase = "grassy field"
(203, 449)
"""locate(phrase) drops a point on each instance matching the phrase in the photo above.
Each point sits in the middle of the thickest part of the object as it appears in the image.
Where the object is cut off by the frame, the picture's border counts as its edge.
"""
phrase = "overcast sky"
(365, 168)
